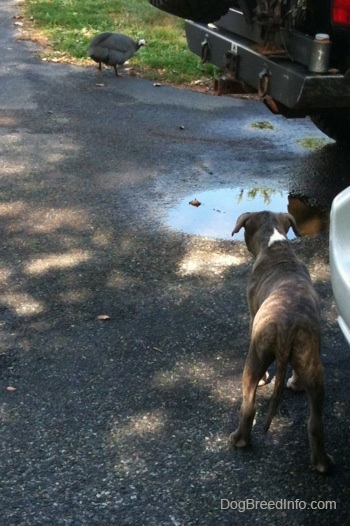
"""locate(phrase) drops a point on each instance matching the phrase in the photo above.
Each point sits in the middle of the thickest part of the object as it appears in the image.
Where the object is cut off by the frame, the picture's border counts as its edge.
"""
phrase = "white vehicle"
(339, 251)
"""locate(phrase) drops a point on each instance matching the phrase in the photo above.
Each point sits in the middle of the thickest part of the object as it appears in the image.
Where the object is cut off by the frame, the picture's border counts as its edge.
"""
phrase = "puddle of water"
(216, 215)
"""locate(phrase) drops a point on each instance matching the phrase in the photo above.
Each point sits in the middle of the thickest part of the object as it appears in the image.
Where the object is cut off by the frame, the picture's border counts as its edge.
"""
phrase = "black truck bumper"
(276, 77)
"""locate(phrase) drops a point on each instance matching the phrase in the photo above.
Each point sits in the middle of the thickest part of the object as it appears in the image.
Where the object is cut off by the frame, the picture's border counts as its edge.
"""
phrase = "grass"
(262, 125)
(65, 27)
(312, 143)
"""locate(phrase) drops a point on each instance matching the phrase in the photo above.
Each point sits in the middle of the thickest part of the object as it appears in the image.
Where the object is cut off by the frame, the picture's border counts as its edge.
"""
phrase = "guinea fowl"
(113, 49)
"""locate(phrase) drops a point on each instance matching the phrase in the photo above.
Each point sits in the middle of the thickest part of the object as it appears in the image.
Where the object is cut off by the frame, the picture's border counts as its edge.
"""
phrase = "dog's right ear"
(288, 222)
(241, 221)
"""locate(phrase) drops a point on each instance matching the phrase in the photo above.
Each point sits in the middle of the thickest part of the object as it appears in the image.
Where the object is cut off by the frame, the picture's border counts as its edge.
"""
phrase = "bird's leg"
(100, 68)
(116, 71)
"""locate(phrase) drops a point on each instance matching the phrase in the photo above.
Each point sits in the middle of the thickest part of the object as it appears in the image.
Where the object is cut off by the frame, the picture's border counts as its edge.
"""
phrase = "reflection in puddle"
(310, 219)
(219, 209)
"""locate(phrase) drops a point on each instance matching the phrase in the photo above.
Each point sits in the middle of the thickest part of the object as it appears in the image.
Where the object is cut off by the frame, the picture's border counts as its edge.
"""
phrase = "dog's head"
(262, 229)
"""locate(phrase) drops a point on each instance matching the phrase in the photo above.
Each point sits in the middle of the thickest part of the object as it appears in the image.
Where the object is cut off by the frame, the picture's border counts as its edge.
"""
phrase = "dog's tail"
(281, 370)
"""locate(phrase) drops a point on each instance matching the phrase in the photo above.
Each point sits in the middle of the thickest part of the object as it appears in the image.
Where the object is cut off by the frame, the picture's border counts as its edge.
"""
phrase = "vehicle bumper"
(339, 255)
(288, 82)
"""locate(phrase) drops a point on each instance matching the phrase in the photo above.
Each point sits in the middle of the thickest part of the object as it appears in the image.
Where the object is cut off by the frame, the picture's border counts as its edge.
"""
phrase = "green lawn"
(68, 25)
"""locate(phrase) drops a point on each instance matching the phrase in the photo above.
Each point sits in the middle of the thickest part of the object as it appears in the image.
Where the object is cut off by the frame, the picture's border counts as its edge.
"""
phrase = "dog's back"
(285, 312)
(280, 288)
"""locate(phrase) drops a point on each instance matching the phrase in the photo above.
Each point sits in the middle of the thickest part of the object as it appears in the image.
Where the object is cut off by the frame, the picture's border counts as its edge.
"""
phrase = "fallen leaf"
(103, 317)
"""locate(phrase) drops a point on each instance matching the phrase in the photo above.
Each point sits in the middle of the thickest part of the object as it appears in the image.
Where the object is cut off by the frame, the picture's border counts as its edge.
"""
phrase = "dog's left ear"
(241, 221)
(288, 221)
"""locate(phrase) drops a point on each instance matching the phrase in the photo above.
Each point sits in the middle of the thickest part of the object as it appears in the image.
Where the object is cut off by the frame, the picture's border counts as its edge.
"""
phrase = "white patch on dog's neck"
(276, 236)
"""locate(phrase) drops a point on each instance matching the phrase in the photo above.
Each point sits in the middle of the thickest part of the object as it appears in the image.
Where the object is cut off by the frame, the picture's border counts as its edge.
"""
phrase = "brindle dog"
(285, 327)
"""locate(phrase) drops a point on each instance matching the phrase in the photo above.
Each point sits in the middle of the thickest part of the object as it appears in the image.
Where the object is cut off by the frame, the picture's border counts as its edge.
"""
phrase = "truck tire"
(204, 11)
(334, 123)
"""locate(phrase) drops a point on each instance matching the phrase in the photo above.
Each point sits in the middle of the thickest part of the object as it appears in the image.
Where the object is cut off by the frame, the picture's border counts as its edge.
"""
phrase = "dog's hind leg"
(319, 458)
(254, 370)
(308, 372)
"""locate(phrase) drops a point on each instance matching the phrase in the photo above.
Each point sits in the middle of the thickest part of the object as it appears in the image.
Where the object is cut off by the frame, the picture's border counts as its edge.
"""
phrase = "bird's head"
(141, 42)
